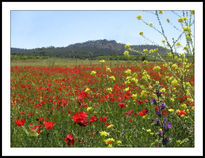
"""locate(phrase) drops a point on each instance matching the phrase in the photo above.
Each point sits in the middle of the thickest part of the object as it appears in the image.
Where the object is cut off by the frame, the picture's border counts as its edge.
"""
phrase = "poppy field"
(110, 103)
(138, 104)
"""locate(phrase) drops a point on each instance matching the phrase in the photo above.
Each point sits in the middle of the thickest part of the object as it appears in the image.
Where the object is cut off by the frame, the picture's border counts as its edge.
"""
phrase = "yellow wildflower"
(108, 69)
(93, 72)
(112, 78)
(134, 96)
(139, 17)
(187, 28)
(89, 108)
(192, 11)
(156, 68)
(103, 133)
(128, 72)
(126, 53)
(180, 20)
(109, 90)
(127, 46)
(87, 90)
(171, 110)
(126, 89)
(178, 43)
(110, 126)
(145, 50)
(102, 61)
(174, 82)
(145, 61)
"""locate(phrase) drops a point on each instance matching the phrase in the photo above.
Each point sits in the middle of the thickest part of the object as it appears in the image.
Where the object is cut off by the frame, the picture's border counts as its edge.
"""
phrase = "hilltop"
(86, 49)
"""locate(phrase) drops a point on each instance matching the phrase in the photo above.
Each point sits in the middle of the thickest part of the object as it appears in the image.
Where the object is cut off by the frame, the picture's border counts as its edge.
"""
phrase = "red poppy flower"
(181, 113)
(129, 112)
(143, 112)
(104, 119)
(139, 101)
(157, 108)
(92, 133)
(93, 119)
(21, 113)
(20, 122)
(107, 124)
(165, 112)
(49, 124)
(146, 101)
(37, 126)
(69, 139)
(121, 105)
(69, 111)
(80, 118)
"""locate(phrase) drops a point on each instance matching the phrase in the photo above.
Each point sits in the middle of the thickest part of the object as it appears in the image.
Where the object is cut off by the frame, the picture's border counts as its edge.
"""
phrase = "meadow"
(109, 103)
(69, 103)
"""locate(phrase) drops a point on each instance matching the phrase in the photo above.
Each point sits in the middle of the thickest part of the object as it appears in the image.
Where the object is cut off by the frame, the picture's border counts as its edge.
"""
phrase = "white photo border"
(9, 6)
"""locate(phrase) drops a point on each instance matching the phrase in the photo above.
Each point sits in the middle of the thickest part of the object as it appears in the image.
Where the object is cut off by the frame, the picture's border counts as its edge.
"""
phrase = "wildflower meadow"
(106, 104)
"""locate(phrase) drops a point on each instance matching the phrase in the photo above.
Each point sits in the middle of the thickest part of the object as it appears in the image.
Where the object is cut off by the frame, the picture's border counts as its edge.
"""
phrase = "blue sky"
(35, 29)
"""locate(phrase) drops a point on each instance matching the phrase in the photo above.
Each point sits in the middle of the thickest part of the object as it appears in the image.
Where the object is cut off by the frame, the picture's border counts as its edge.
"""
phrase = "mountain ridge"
(90, 48)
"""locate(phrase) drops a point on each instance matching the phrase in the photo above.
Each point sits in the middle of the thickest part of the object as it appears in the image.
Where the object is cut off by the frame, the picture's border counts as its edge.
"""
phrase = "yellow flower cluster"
(134, 96)
(178, 43)
(93, 72)
(192, 11)
(187, 28)
(102, 61)
(186, 47)
(170, 54)
(182, 55)
(126, 53)
(174, 66)
(109, 140)
(103, 133)
(145, 61)
(87, 90)
(109, 90)
(108, 69)
(145, 75)
(139, 17)
(156, 68)
(143, 93)
(127, 89)
(174, 82)
(162, 90)
(181, 20)
(110, 126)
(127, 46)
(112, 78)
(128, 72)
(145, 50)
(89, 108)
